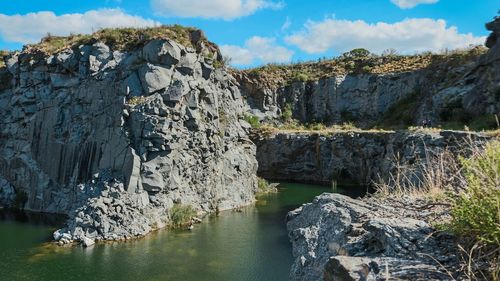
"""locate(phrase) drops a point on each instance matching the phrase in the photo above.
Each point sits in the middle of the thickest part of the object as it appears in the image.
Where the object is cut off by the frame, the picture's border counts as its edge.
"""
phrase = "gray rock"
(154, 78)
(120, 153)
(164, 52)
(339, 238)
(87, 242)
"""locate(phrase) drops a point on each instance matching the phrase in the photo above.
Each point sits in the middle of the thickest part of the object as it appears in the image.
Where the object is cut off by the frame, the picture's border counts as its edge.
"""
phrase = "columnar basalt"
(109, 135)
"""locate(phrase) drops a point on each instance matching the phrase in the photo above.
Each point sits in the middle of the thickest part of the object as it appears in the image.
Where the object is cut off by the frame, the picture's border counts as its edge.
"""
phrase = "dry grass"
(466, 179)
(3, 53)
(294, 126)
(275, 75)
(431, 177)
(118, 38)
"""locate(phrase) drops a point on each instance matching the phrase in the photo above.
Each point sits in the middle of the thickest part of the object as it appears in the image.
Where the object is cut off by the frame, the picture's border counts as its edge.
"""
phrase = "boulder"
(154, 78)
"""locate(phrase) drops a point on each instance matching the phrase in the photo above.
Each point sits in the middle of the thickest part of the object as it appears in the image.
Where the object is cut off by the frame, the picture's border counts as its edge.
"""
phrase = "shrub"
(181, 215)
(476, 211)
(287, 113)
(300, 77)
(252, 120)
(357, 53)
(264, 186)
(366, 69)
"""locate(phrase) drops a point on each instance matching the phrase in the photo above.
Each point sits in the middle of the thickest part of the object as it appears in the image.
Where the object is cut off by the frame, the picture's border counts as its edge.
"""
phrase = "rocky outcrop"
(459, 90)
(351, 157)
(115, 137)
(334, 99)
(339, 238)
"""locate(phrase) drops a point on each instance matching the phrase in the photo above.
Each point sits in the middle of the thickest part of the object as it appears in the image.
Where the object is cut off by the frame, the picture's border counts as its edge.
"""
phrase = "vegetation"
(180, 215)
(264, 186)
(472, 185)
(136, 100)
(287, 114)
(252, 120)
(118, 38)
(3, 53)
(362, 61)
(400, 114)
(476, 211)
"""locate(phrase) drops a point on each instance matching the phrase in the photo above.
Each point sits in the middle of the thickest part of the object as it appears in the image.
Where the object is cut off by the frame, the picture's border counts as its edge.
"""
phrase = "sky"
(257, 32)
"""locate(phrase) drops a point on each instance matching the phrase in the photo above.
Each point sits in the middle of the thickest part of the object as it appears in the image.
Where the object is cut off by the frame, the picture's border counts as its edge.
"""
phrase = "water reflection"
(247, 245)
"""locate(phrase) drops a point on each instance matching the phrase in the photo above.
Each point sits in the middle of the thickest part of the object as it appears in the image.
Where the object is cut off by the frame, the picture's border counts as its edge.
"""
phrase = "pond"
(250, 244)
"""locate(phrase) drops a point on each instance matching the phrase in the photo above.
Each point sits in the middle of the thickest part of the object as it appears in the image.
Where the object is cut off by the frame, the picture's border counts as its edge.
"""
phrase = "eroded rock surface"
(339, 238)
(355, 157)
(115, 138)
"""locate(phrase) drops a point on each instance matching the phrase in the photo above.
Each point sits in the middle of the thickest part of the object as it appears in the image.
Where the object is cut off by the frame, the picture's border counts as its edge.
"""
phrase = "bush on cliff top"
(3, 53)
(362, 61)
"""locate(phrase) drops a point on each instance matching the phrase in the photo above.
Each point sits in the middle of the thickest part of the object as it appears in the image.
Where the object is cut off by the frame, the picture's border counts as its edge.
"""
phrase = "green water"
(247, 245)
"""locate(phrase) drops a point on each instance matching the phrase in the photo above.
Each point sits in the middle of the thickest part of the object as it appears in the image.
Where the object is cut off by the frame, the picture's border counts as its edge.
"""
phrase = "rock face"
(103, 134)
(354, 157)
(441, 92)
(334, 99)
(339, 238)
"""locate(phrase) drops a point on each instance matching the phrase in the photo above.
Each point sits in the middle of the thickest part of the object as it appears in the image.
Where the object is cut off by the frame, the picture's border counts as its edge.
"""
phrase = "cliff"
(352, 157)
(389, 91)
(115, 134)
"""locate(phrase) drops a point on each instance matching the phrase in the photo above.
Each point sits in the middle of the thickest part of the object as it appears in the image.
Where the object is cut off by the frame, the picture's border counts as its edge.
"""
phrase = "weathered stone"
(164, 52)
(154, 78)
(339, 238)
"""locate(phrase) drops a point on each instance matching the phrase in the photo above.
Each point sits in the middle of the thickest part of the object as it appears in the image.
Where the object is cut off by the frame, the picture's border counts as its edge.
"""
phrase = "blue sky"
(255, 32)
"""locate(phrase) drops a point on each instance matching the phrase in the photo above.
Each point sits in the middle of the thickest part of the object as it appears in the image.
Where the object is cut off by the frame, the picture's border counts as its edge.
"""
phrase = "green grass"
(252, 120)
(287, 114)
(181, 215)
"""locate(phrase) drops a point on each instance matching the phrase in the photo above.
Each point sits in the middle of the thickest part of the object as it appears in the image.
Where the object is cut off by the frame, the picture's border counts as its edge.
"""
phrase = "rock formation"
(351, 157)
(121, 135)
(459, 89)
(339, 238)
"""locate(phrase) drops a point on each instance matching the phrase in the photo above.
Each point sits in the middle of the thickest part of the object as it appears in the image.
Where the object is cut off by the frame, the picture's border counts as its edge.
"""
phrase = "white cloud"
(286, 24)
(225, 9)
(409, 35)
(257, 49)
(29, 28)
(408, 4)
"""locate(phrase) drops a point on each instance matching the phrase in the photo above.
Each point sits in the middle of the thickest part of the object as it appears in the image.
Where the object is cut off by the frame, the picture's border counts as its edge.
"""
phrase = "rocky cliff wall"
(457, 89)
(119, 132)
(350, 157)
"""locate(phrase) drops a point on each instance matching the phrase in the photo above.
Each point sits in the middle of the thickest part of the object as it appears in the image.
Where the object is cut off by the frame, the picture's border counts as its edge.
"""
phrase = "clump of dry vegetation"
(360, 61)
(3, 53)
(120, 38)
(468, 185)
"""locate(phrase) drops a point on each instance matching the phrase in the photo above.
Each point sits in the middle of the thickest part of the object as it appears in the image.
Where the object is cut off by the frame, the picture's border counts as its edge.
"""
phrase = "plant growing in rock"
(287, 113)
(181, 215)
(252, 120)
(136, 100)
